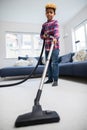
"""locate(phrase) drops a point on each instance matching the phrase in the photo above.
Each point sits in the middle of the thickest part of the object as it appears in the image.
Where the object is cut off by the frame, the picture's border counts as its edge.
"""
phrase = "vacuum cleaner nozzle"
(37, 116)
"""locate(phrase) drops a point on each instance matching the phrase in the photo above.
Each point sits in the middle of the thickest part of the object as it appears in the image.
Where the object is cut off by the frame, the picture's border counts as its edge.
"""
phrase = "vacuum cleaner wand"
(36, 101)
(38, 116)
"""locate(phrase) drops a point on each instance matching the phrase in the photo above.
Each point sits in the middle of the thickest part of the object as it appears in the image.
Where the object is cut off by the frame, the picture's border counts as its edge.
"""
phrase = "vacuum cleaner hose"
(29, 76)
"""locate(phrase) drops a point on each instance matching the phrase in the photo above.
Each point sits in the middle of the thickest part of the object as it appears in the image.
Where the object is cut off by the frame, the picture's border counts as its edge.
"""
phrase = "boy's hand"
(45, 36)
(54, 40)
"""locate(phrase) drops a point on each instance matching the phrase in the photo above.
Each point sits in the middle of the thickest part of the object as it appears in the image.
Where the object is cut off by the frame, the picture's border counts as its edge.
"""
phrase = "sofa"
(23, 67)
(68, 66)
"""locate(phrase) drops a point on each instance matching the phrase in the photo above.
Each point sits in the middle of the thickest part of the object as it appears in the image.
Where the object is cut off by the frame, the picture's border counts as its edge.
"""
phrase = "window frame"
(34, 52)
(76, 42)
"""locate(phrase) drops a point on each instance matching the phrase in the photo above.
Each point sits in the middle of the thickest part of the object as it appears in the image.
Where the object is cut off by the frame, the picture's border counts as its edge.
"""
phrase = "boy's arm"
(56, 30)
(42, 33)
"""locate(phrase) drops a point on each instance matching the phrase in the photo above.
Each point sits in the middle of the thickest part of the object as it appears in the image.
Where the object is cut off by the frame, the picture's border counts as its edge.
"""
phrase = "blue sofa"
(70, 68)
(80, 69)
(22, 70)
(66, 68)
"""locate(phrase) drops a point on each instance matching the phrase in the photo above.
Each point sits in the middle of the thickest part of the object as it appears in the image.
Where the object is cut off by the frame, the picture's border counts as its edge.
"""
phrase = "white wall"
(80, 17)
(22, 11)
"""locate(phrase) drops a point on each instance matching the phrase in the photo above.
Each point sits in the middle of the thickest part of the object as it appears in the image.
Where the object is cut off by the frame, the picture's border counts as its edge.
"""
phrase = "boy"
(51, 27)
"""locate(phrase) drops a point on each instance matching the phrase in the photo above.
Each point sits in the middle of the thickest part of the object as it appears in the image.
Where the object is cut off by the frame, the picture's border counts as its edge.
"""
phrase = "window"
(22, 44)
(80, 37)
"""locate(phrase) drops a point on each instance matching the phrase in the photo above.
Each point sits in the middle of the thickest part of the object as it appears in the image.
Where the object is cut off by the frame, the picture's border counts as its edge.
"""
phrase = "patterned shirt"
(50, 28)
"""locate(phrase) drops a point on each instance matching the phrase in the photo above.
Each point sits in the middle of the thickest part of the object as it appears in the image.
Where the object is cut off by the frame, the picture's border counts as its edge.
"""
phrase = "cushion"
(40, 62)
(80, 56)
(43, 60)
(21, 63)
(22, 58)
(31, 61)
(66, 58)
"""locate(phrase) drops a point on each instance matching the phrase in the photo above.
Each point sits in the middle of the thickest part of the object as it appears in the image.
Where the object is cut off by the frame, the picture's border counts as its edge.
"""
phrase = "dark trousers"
(53, 68)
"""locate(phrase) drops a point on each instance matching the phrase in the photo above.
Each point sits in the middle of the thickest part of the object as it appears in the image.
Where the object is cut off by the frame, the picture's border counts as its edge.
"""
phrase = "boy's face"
(50, 14)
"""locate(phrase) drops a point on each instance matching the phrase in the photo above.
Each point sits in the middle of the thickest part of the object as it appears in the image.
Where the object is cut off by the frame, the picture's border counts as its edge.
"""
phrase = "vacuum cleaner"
(38, 116)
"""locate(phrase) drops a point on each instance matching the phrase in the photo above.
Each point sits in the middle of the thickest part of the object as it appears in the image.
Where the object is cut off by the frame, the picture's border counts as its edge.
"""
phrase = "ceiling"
(33, 11)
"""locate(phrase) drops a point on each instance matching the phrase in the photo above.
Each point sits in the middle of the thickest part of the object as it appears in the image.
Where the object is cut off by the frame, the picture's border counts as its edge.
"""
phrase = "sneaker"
(55, 83)
(48, 81)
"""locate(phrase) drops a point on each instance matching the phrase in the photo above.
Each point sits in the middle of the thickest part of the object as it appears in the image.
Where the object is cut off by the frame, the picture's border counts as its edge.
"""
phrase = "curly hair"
(50, 6)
